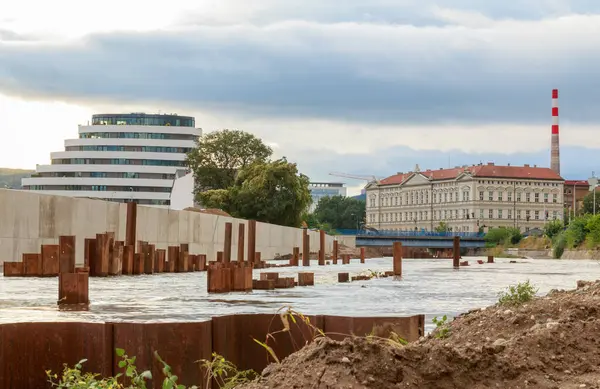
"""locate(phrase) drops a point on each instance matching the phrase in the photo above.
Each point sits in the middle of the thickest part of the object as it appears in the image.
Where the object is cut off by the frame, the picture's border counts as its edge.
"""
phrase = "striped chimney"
(555, 146)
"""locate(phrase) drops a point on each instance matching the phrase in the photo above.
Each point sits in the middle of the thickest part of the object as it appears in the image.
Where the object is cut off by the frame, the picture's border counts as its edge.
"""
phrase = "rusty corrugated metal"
(178, 344)
(27, 350)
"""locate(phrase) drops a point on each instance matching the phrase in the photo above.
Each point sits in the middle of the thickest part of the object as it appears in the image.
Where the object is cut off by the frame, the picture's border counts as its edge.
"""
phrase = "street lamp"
(593, 182)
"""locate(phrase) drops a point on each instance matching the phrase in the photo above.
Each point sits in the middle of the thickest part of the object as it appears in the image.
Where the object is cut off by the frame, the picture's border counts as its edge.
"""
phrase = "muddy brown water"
(429, 286)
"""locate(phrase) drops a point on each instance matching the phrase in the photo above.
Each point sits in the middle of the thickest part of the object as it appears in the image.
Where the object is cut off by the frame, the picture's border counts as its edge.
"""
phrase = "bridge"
(425, 239)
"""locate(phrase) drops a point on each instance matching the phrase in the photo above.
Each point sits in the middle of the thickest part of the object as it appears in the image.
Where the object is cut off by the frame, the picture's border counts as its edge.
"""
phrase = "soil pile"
(550, 342)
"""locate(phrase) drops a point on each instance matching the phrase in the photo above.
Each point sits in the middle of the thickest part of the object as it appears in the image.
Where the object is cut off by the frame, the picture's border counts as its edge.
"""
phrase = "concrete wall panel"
(30, 219)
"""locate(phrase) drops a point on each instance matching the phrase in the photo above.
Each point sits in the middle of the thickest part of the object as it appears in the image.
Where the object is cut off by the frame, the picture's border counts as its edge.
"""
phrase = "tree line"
(234, 171)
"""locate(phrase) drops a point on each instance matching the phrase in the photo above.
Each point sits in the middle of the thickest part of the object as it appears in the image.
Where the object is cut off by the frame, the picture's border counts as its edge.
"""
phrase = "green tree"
(577, 232)
(341, 212)
(442, 227)
(553, 228)
(271, 192)
(220, 155)
(588, 203)
(503, 236)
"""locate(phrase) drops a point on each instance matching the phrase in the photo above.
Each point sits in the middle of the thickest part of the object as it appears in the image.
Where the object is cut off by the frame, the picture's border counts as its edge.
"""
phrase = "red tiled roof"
(482, 171)
(577, 183)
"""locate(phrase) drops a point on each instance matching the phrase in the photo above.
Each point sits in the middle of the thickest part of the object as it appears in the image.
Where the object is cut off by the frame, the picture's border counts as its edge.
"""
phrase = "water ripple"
(430, 287)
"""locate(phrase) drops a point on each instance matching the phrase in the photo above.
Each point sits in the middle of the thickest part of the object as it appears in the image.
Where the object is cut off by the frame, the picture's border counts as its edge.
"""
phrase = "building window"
(509, 199)
(480, 195)
(491, 213)
(426, 215)
(536, 197)
(555, 215)
(528, 197)
(445, 197)
(554, 198)
(519, 214)
(519, 197)
(537, 215)
(481, 213)
(509, 214)
(527, 214)
(500, 196)
(435, 197)
(499, 214)
(491, 196)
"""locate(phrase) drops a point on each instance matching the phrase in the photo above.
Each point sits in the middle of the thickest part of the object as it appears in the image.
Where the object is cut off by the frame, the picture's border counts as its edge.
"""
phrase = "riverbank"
(549, 342)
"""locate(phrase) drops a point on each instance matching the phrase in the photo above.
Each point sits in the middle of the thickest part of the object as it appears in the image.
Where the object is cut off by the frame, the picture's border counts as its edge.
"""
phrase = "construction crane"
(355, 176)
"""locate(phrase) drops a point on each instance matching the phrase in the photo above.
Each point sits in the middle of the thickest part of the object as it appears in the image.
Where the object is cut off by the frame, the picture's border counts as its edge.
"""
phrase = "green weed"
(442, 329)
(224, 373)
(517, 294)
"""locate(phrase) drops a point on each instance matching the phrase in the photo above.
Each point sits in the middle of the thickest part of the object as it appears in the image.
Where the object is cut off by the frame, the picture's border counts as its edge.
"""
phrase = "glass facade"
(142, 119)
(146, 149)
(134, 135)
(119, 161)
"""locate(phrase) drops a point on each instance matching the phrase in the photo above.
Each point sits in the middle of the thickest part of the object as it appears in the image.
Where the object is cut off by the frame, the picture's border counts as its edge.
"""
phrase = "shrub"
(577, 231)
(503, 236)
(517, 294)
(553, 228)
(559, 246)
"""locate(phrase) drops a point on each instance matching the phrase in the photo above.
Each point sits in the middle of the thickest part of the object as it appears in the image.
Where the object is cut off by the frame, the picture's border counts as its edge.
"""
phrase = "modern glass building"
(319, 190)
(120, 157)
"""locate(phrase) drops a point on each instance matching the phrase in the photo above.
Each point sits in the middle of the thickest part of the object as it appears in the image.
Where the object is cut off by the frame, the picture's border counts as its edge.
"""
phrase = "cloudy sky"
(366, 87)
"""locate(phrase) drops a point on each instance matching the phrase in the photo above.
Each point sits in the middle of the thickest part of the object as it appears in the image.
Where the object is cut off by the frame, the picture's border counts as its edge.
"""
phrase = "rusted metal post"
(362, 255)
(305, 248)
(398, 259)
(130, 224)
(456, 252)
(219, 256)
(32, 265)
(73, 290)
(295, 256)
(66, 254)
(128, 252)
(251, 241)
(343, 277)
(322, 247)
(102, 254)
(306, 279)
(240, 246)
(227, 242)
(490, 259)
(335, 252)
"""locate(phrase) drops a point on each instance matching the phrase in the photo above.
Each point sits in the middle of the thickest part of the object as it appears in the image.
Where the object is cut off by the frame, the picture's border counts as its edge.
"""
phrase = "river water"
(431, 287)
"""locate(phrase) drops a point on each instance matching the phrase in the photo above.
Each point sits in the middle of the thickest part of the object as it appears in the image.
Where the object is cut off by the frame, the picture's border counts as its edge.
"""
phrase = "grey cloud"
(414, 12)
(11, 36)
(358, 72)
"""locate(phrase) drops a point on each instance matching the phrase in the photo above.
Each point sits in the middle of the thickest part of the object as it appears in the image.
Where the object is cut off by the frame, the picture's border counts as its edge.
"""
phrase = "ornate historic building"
(466, 198)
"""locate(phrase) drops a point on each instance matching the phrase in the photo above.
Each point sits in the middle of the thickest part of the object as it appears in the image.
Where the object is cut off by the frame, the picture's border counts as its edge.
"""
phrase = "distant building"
(318, 190)
(120, 157)
(575, 192)
(466, 198)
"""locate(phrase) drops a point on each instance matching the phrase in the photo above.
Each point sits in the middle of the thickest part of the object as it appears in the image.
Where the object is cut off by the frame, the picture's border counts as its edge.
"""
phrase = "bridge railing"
(409, 233)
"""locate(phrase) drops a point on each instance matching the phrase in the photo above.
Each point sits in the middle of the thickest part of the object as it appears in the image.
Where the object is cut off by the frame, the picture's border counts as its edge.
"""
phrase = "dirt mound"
(550, 342)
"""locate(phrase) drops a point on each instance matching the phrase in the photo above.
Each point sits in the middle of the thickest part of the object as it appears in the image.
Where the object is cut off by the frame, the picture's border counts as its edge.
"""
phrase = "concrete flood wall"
(28, 220)
(27, 350)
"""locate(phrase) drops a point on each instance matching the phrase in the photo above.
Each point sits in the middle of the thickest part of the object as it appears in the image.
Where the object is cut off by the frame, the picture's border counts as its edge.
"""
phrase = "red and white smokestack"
(555, 146)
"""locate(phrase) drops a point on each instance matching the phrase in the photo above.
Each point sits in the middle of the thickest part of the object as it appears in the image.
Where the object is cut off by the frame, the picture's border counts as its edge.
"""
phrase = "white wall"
(29, 219)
